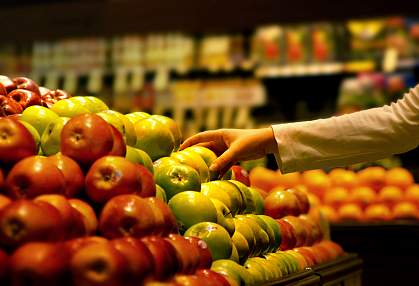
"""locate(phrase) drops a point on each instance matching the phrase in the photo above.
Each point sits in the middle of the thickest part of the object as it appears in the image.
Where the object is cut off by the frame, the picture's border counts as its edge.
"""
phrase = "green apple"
(139, 157)
(177, 178)
(192, 207)
(224, 217)
(261, 237)
(257, 271)
(246, 231)
(212, 191)
(161, 193)
(39, 117)
(241, 244)
(33, 131)
(127, 126)
(163, 162)
(230, 274)
(68, 108)
(98, 104)
(51, 138)
(83, 101)
(258, 199)
(135, 116)
(245, 277)
(208, 155)
(267, 228)
(276, 230)
(295, 266)
(237, 202)
(247, 195)
(280, 262)
(271, 271)
(172, 125)
(234, 254)
(114, 120)
(216, 237)
(154, 138)
(195, 161)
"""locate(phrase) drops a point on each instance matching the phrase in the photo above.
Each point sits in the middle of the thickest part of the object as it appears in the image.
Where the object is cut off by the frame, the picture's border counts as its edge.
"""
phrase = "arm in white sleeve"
(343, 140)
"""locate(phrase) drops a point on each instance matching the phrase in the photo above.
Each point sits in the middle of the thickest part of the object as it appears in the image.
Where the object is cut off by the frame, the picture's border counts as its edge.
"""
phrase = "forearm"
(339, 141)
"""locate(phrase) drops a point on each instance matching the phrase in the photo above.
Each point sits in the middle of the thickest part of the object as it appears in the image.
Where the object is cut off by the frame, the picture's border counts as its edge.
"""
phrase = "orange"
(313, 200)
(363, 196)
(336, 196)
(405, 210)
(343, 178)
(399, 177)
(329, 212)
(373, 177)
(263, 178)
(288, 180)
(351, 212)
(316, 181)
(377, 212)
(412, 194)
(390, 195)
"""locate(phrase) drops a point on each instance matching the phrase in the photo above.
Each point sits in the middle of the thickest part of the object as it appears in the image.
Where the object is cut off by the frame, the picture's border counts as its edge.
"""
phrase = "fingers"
(202, 137)
(224, 162)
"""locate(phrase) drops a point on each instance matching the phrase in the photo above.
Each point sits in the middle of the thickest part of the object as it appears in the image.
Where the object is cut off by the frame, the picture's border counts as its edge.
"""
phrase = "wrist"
(269, 140)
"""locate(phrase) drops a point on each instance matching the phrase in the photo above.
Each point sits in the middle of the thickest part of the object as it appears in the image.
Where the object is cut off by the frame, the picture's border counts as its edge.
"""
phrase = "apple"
(75, 244)
(4, 201)
(288, 239)
(60, 94)
(247, 196)
(33, 132)
(148, 186)
(98, 104)
(9, 106)
(224, 216)
(216, 237)
(163, 162)
(6, 84)
(118, 148)
(269, 225)
(270, 272)
(313, 229)
(237, 173)
(390, 195)
(213, 276)
(113, 120)
(205, 257)
(192, 207)
(16, 142)
(164, 257)
(263, 178)
(34, 176)
(73, 175)
(51, 138)
(138, 258)
(237, 204)
(126, 215)
(85, 102)
(177, 178)
(258, 199)
(154, 138)
(351, 212)
(242, 247)
(25, 98)
(47, 97)
(161, 193)
(127, 127)
(71, 218)
(195, 161)
(229, 265)
(4, 266)
(213, 192)
(23, 221)
(98, 264)
(136, 116)
(258, 271)
(234, 256)
(279, 261)
(173, 127)
(299, 229)
(377, 212)
(302, 263)
(206, 154)
(401, 210)
(86, 138)
(168, 223)
(246, 231)
(26, 84)
(280, 203)
(39, 263)
(302, 199)
(139, 157)
(187, 255)
(88, 215)
(68, 108)
(260, 235)
(39, 117)
(308, 254)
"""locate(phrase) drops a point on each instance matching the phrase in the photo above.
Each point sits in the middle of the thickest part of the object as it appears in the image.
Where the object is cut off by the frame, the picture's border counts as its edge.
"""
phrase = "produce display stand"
(389, 250)
(306, 278)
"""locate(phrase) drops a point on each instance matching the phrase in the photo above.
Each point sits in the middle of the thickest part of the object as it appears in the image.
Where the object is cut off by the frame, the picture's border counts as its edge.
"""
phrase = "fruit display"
(371, 194)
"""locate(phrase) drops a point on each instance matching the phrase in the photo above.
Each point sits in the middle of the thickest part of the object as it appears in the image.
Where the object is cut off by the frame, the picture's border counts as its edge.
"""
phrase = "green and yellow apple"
(267, 228)
(224, 217)
(195, 161)
(98, 104)
(246, 231)
(208, 155)
(51, 138)
(245, 277)
(271, 271)
(68, 108)
(212, 191)
(237, 202)
(177, 178)
(163, 162)
(261, 237)
(33, 131)
(83, 101)
(113, 120)
(128, 127)
(154, 138)
(280, 262)
(135, 116)
(276, 231)
(257, 271)
(258, 199)
(192, 207)
(139, 157)
(247, 195)
(39, 117)
(172, 125)
(242, 246)
(234, 254)
(161, 193)
(216, 237)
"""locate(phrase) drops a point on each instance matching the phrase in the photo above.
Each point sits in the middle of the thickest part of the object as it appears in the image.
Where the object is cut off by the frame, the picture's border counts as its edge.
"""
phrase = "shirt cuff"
(285, 154)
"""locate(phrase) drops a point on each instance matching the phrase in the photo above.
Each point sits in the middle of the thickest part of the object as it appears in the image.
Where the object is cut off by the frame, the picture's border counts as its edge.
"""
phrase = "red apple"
(98, 264)
(163, 255)
(280, 203)
(34, 176)
(110, 176)
(302, 199)
(47, 97)
(39, 263)
(148, 185)
(314, 229)
(25, 97)
(72, 219)
(60, 94)
(9, 106)
(4, 266)
(1, 180)
(86, 138)
(44, 91)
(298, 228)
(218, 278)
(288, 240)
(167, 222)
(138, 257)
(73, 245)
(205, 254)
(88, 215)
(119, 148)
(23, 221)
(16, 142)
(308, 253)
(6, 84)
(237, 173)
(126, 215)
(4, 201)
(26, 83)
(73, 175)
(188, 255)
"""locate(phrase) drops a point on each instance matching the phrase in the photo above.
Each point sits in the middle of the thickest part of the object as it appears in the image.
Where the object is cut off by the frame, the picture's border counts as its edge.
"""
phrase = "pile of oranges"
(372, 194)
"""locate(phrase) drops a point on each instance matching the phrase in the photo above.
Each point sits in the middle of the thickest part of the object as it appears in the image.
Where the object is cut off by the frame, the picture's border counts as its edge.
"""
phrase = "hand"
(233, 145)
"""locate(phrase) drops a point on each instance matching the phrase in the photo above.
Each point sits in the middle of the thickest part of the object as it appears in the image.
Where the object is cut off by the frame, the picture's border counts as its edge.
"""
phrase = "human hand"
(233, 145)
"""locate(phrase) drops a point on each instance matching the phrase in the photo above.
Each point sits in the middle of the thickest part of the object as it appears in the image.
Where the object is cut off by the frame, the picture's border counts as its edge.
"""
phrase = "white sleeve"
(362, 136)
